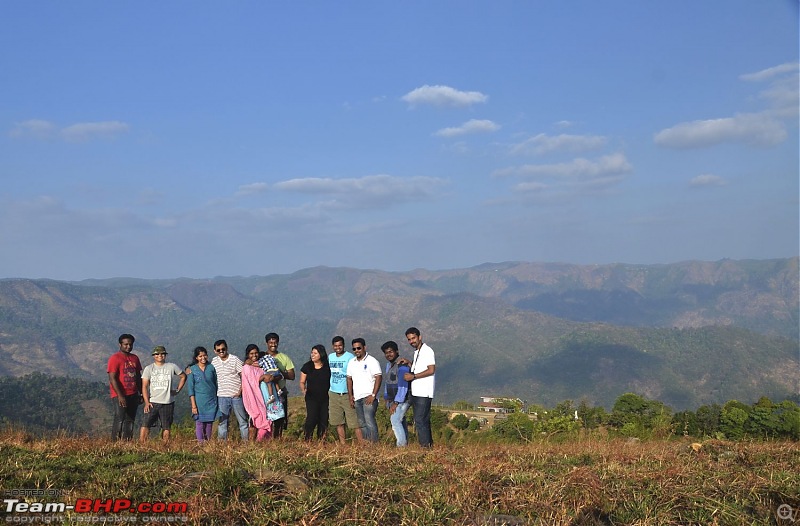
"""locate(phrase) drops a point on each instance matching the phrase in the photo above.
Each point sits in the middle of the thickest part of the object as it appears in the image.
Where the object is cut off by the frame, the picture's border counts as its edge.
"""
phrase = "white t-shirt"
(229, 375)
(161, 382)
(422, 359)
(363, 373)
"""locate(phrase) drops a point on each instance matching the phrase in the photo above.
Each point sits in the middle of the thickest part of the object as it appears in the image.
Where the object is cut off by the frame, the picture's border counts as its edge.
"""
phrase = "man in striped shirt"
(229, 390)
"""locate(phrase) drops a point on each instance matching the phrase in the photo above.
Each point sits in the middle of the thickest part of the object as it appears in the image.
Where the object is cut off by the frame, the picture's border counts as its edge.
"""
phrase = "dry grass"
(587, 481)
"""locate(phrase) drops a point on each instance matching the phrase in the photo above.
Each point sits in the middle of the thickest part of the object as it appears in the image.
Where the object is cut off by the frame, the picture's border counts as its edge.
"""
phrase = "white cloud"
(530, 187)
(84, 131)
(471, 126)
(33, 128)
(371, 186)
(563, 124)
(707, 180)
(565, 181)
(78, 132)
(759, 129)
(766, 74)
(443, 96)
(542, 144)
(608, 165)
(252, 188)
(754, 129)
(165, 222)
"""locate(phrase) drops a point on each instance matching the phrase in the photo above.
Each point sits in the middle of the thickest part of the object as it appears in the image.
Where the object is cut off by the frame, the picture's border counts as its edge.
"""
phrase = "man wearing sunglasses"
(229, 390)
(159, 397)
(364, 382)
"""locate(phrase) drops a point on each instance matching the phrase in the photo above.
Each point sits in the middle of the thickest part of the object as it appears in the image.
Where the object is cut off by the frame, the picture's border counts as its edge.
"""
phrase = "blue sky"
(200, 139)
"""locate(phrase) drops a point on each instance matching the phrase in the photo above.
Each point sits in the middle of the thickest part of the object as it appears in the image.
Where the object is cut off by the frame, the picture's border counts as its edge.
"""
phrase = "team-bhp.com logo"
(96, 511)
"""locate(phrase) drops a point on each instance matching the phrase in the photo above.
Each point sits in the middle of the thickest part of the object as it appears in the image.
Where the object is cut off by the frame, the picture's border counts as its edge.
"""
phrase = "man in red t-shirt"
(125, 383)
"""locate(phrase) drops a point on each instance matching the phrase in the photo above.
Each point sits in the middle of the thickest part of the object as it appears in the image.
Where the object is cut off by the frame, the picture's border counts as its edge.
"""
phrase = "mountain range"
(687, 334)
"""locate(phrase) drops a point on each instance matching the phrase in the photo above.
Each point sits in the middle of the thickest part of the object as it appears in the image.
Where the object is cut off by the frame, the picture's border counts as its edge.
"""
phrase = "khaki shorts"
(339, 411)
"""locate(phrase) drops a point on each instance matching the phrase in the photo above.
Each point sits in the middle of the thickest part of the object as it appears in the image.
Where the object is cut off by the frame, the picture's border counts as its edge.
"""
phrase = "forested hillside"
(687, 334)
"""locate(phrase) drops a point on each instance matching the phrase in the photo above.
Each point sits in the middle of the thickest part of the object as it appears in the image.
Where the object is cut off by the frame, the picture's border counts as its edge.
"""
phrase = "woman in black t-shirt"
(315, 380)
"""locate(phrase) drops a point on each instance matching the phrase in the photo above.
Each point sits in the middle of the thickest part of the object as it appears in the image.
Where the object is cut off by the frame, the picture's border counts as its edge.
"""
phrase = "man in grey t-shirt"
(159, 397)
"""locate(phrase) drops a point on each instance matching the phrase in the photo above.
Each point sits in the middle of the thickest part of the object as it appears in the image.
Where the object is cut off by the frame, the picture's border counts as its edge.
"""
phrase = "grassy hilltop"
(593, 479)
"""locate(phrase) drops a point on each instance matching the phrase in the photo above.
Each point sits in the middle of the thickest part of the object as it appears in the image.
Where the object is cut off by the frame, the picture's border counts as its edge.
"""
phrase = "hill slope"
(687, 334)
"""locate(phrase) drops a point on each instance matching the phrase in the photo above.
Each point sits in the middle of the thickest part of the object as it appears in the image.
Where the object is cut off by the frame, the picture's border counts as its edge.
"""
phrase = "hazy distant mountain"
(686, 333)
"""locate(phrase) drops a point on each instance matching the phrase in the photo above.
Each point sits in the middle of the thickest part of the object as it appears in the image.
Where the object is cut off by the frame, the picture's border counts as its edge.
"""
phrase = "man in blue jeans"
(423, 381)
(364, 384)
(229, 390)
(395, 392)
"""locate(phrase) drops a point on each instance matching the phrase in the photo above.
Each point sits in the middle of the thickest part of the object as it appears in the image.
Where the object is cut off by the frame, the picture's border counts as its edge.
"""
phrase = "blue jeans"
(422, 419)
(398, 420)
(366, 418)
(226, 403)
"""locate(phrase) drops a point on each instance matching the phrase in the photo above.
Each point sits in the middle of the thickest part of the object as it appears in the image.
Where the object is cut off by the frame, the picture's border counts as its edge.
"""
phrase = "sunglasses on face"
(357, 348)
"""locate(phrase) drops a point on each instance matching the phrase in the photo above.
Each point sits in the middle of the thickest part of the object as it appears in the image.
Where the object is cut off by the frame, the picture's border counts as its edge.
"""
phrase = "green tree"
(565, 408)
(708, 417)
(463, 405)
(591, 417)
(788, 416)
(516, 427)
(460, 421)
(632, 411)
(685, 423)
(763, 421)
(731, 422)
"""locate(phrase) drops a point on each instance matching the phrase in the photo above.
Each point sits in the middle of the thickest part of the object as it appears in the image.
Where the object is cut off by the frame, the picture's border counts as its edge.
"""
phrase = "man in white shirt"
(229, 390)
(364, 383)
(423, 382)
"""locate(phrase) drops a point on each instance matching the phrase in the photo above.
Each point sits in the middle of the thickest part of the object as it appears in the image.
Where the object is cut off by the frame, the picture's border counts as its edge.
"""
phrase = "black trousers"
(124, 418)
(316, 416)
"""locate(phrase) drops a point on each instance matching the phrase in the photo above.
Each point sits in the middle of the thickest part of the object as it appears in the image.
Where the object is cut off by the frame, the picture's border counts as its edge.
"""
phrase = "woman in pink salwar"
(252, 396)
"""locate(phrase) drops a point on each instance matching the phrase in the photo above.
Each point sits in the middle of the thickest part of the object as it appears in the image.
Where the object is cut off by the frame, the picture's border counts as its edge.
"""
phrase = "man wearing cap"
(159, 397)
(125, 382)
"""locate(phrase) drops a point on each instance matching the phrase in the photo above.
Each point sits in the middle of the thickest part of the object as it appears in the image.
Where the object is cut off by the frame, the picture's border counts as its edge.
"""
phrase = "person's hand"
(392, 408)
(147, 407)
(194, 410)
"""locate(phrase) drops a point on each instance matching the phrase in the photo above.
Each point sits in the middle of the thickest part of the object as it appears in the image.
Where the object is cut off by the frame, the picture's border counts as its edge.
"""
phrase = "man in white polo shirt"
(423, 382)
(364, 383)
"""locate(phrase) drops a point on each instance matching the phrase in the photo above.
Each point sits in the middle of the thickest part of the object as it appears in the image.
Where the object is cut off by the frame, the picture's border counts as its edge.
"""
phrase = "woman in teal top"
(202, 382)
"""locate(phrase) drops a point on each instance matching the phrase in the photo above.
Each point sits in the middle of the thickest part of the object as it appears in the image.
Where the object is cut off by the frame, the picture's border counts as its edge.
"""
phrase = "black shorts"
(161, 413)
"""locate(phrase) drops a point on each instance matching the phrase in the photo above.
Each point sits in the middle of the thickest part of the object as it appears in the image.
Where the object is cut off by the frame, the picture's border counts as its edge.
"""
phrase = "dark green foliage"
(460, 422)
(634, 415)
(464, 405)
(45, 402)
(735, 420)
(516, 427)
(591, 417)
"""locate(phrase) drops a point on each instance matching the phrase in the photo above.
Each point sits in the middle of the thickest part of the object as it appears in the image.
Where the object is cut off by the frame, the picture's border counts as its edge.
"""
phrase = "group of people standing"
(341, 389)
